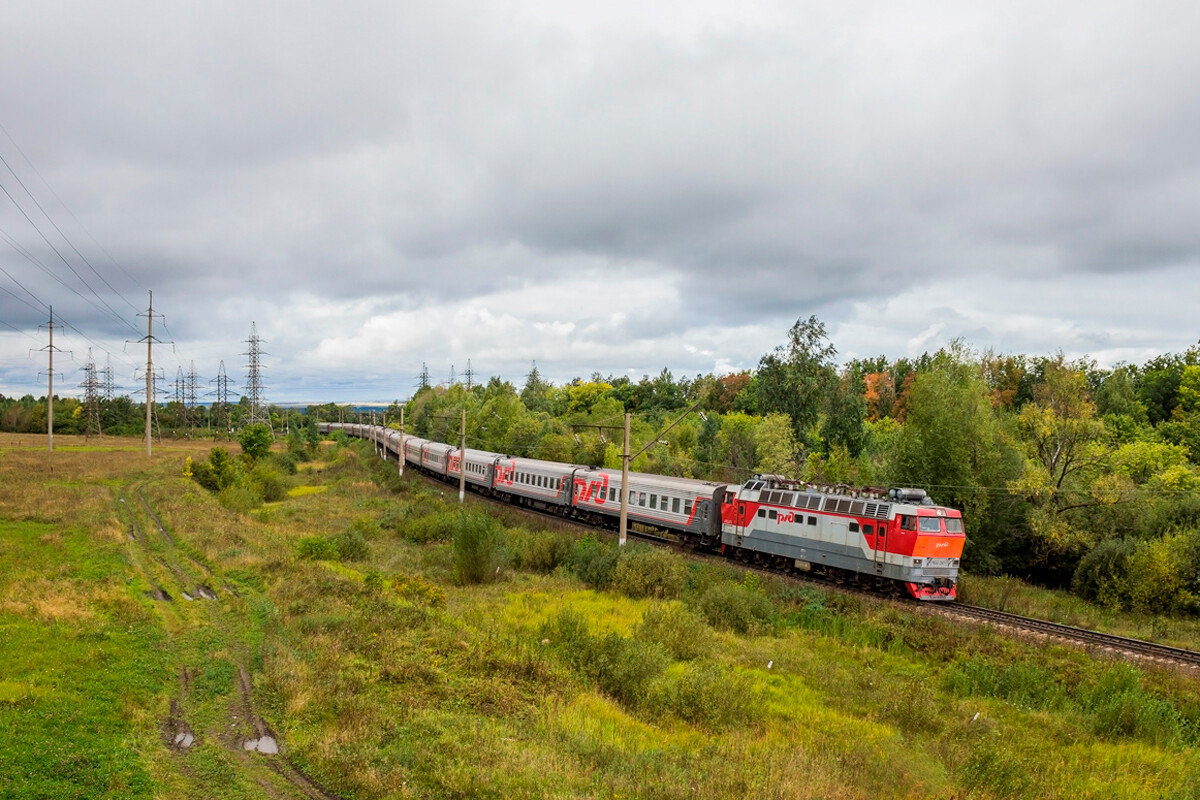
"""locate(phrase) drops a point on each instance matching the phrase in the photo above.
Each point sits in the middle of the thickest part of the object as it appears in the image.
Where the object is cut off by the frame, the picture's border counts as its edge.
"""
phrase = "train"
(895, 540)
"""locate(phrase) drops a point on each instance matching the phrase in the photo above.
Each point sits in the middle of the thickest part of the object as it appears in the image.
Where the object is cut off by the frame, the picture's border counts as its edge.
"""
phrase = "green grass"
(387, 677)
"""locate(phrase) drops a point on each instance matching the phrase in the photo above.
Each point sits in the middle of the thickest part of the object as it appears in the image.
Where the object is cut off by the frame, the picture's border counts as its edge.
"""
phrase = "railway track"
(1137, 649)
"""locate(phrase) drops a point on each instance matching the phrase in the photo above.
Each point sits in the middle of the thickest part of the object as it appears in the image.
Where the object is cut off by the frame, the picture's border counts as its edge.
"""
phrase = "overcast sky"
(616, 187)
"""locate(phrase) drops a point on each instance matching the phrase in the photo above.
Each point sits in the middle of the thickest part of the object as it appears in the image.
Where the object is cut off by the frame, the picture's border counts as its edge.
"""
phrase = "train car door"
(880, 548)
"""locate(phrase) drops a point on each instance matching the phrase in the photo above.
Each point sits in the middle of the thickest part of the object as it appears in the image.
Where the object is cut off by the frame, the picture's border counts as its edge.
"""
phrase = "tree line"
(1068, 474)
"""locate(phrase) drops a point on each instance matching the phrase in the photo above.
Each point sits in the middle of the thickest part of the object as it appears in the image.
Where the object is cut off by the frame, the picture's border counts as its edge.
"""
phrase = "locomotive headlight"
(916, 562)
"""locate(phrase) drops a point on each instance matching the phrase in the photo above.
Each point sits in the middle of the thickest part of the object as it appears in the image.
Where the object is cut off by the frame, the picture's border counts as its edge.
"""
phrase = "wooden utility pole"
(462, 457)
(401, 441)
(624, 485)
(626, 459)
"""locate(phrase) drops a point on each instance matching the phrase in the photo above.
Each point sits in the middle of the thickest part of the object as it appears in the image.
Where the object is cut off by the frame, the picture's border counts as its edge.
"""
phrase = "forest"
(1069, 475)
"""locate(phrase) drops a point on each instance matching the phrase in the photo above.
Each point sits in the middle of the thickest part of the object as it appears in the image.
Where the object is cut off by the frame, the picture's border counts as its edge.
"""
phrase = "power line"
(67, 240)
(70, 213)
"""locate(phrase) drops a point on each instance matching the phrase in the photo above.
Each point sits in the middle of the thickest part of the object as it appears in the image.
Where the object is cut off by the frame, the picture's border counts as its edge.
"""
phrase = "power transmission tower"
(92, 391)
(107, 378)
(180, 395)
(450, 382)
(470, 375)
(50, 349)
(221, 407)
(423, 381)
(254, 383)
(189, 394)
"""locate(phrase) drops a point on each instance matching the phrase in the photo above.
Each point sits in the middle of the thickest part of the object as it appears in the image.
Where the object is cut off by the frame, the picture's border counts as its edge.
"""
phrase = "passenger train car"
(895, 540)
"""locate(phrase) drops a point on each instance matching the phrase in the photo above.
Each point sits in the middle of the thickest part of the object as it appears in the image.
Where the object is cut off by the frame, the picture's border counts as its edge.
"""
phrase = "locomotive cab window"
(908, 523)
(953, 525)
(930, 525)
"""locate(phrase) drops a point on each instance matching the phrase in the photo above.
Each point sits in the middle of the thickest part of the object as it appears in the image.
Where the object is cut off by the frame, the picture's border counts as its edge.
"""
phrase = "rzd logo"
(596, 491)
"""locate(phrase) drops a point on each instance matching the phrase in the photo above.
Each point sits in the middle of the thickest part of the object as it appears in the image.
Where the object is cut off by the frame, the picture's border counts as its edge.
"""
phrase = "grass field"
(382, 676)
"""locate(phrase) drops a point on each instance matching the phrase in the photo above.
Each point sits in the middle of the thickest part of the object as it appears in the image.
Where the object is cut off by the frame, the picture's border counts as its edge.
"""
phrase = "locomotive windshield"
(954, 525)
(930, 525)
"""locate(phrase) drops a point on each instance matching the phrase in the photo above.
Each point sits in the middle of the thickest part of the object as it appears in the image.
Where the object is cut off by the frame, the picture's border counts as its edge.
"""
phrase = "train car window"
(930, 524)
(642, 499)
(908, 522)
(953, 525)
(612, 495)
(868, 529)
(773, 514)
(854, 527)
(675, 505)
(687, 507)
(812, 520)
(654, 501)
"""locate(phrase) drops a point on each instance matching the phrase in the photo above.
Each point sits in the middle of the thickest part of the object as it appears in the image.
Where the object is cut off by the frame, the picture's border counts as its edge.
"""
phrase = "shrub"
(217, 473)
(270, 483)
(286, 462)
(540, 551)
(622, 668)
(593, 562)
(243, 497)
(733, 607)
(317, 548)
(1103, 574)
(255, 441)
(394, 517)
(351, 545)
(1159, 576)
(436, 527)
(680, 631)
(704, 694)
(476, 536)
(649, 572)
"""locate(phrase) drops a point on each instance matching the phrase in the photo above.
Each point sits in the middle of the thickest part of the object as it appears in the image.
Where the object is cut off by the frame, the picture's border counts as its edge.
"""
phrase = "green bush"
(436, 527)
(217, 473)
(1103, 574)
(256, 441)
(286, 462)
(351, 545)
(684, 634)
(476, 536)
(733, 607)
(593, 562)
(621, 667)
(649, 572)
(242, 496)
(540, 551)
(395, 516)
(317, 548)
(270, 483)
(702, 693)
